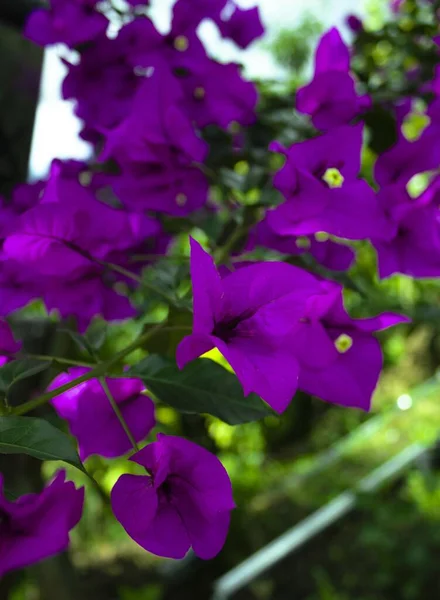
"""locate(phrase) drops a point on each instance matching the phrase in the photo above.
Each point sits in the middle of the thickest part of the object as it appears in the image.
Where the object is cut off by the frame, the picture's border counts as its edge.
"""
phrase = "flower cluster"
(92, 419)
(161, 91)
(281, 329)
(55, 251)
(331, 98)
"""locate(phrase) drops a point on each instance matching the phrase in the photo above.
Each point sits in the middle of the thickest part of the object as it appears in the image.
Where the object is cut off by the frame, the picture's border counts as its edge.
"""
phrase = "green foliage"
(37, 438)
(17, 370)
(424, 490)
(148, 592)
(292, 48)
(202, 387)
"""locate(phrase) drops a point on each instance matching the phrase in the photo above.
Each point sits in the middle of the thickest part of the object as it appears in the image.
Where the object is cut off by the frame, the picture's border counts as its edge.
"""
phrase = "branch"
(99, 371)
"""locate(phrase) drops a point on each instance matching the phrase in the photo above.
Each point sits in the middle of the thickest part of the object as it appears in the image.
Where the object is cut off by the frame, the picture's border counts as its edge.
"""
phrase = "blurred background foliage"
(282, 469)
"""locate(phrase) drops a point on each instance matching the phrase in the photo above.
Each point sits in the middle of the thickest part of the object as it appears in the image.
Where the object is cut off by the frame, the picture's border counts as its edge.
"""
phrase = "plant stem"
(59, 359)
(149, 286)
(98, 371)
(152, 257)
(223, 253)
(118, 413)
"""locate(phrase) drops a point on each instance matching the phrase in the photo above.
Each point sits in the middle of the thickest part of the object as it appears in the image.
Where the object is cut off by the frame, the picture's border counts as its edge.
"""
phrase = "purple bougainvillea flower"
(85, 298)
(331, 53)
(142, 73)
(18, 285)
(37, 526)
(62, 240)
(155, 123)
(218, 95)
(92, 420)
(340, 360)
(184, 502)
(188, 14)
(434, 85)
(413, 246)
(173, 187)
(396, 5)
(242, 26)
(27, 195)
(71, 22)
(328, 253)
(331, 98)
(405, 159)
(355, 24)
(248, 315)
(320, 183)
(214, 93)
(402, 108)
(59, 243)
(104, 71)
(24, 196)
(178, 51)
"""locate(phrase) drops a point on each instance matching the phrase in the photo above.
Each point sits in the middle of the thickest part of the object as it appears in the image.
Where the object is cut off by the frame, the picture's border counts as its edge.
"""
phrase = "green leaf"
(17, 370)
(37, 438)
(165, 342)
(10, 495)
(81, 341)
(202, 387)
(96, 334)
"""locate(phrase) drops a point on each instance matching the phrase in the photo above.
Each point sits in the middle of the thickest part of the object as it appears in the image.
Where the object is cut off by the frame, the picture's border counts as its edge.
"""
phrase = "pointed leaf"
(37, 438)
(17, 370)
(202, 387)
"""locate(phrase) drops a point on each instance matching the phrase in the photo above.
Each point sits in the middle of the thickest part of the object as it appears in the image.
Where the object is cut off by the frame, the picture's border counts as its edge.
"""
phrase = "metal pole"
(298, 535)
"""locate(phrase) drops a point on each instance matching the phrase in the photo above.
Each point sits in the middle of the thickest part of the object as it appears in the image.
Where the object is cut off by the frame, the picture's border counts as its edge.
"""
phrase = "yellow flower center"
(181, 199)
(321, 236)
(181, 43)
(343, 343)
(234, 128)
(302, 242)
(199, 93)
(333, 178)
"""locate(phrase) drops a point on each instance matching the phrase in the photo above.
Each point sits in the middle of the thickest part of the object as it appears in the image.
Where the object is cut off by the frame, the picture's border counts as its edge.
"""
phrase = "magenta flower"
(340, 360)
(92, 420)
(354, 23)
(104, 71)
(185, 500)
(154, 126)
(405, 159)
(37, 526)
(248, 316)
(413, 244)
(18, 286)
(396, 5)
(59, 243)
(61, 240)
(320, 183)
(174, 187)
(328, 253)
(243, 26)
(331, 98)
(218, 95)
(71, 22)
(188, 14)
